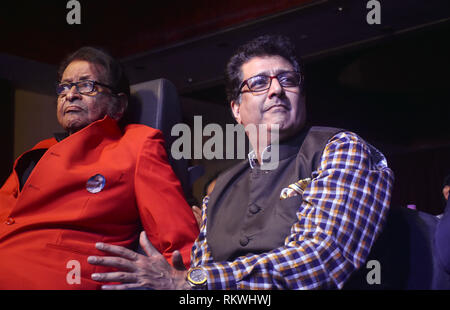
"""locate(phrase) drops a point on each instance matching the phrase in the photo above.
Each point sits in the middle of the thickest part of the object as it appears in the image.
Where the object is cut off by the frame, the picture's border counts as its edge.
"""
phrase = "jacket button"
(254, 209)
(244, 241)
(10, 221)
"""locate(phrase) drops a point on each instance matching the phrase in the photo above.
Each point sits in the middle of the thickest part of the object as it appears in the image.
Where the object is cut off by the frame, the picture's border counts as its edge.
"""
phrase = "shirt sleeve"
(342, 212)
(166, 216)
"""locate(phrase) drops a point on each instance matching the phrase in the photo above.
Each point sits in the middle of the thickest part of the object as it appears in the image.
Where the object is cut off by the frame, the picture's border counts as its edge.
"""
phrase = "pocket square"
(295, 189)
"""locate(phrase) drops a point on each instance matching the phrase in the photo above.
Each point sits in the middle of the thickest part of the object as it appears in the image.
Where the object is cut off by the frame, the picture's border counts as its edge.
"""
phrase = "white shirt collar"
(265, 157)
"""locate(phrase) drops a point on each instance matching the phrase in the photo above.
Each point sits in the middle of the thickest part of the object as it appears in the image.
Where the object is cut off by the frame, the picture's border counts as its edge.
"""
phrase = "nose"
(73, 94)
(275, 88)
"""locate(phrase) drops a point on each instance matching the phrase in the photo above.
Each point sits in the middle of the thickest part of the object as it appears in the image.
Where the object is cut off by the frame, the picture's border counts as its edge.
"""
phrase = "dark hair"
(266, 45)
(115, 74)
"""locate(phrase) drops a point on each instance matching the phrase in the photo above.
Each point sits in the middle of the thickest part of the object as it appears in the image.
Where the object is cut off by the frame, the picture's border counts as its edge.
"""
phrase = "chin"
(289, 131)
(73, 127)
(282, 126)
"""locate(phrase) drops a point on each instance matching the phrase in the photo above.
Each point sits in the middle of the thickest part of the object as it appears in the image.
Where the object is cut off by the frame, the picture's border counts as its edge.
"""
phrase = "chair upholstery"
(156, 104)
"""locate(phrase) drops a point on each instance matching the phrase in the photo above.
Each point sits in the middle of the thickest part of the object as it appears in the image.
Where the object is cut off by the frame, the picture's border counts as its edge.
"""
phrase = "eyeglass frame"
(72, 84)
(245, 82)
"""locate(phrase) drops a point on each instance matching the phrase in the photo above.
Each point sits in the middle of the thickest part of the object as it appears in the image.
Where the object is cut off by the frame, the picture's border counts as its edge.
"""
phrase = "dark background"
(389, 83)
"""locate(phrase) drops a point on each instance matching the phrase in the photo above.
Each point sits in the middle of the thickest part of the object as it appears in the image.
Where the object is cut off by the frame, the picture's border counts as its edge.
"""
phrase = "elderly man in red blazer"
(100, 182)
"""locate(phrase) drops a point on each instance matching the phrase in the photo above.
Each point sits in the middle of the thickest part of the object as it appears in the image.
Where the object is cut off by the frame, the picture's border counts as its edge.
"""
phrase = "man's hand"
(139, 271)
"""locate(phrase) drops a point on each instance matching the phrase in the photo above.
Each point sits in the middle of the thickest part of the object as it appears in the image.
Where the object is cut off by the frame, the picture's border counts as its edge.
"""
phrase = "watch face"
(197, 276)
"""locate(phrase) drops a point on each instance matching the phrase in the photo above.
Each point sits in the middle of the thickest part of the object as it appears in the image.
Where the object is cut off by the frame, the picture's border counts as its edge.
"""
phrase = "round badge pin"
(95, 183)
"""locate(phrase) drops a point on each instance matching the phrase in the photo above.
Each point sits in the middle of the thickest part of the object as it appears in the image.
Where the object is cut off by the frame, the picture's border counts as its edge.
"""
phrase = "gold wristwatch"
(197, 277)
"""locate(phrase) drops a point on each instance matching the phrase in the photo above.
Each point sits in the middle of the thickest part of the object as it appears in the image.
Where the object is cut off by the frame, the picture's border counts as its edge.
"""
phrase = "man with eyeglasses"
(98, 181)
(308, 223)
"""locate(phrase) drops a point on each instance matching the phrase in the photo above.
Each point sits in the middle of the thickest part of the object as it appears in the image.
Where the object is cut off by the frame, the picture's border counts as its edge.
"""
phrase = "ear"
(235, 108)
(122, 106)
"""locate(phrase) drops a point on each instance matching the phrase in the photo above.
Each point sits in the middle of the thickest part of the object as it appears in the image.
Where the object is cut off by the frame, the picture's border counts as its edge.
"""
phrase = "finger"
(177, 261)
(198, 215)
(123, 277)
(117, 250)
(147, 245)
(122, 286)
(117, 262)
(196, 210)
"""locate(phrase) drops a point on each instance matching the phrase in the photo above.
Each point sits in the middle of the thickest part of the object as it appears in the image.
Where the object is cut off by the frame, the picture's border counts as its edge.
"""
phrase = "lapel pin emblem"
(95, 183)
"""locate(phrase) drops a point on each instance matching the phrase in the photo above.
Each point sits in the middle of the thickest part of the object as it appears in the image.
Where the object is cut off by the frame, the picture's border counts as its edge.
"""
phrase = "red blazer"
(55, 219)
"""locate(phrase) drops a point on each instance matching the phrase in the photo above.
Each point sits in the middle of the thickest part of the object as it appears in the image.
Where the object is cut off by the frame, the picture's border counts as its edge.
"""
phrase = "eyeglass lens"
(82, 87)
(263, 82)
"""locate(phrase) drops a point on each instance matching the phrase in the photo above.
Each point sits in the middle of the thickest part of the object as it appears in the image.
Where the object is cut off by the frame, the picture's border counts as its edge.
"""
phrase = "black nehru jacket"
(245, 213)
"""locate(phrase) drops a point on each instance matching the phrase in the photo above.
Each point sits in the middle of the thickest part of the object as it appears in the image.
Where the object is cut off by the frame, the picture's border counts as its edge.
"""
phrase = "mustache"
(278, 103)
(76, 105)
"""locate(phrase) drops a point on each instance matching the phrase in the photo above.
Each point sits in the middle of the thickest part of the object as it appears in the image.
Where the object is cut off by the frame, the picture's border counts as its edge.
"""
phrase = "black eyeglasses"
(259, 83)
(83, 87)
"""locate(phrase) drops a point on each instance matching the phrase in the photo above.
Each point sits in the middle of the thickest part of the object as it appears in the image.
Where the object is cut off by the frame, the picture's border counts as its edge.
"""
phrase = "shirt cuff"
(220, 277)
